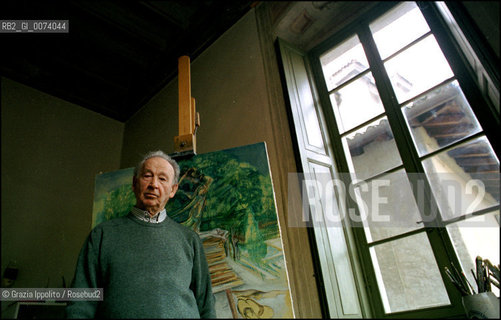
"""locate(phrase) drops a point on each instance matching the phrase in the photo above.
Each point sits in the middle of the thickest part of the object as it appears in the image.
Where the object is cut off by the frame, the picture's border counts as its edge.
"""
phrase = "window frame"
(476, 39)
(488, 118)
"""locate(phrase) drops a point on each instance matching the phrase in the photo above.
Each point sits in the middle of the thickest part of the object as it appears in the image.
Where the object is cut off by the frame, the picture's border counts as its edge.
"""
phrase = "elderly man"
(148, 265)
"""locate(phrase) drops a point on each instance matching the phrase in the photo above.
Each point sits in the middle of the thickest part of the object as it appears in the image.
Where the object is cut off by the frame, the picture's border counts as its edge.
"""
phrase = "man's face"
(154, 185)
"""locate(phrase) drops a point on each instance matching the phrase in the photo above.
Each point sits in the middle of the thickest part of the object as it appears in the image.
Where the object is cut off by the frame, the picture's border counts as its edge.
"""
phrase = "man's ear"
(174, 190)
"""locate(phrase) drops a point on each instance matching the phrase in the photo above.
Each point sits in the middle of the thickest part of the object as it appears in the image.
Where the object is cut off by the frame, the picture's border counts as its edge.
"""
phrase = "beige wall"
(227, 81)
(51, 152)
(240, 103)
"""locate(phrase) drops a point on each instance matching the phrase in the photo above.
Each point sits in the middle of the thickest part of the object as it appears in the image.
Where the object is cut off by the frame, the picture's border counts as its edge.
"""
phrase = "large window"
(400, 120)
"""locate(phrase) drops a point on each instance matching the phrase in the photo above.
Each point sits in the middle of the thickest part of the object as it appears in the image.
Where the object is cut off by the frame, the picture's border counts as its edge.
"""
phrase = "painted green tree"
(239, 199)
(118, 203)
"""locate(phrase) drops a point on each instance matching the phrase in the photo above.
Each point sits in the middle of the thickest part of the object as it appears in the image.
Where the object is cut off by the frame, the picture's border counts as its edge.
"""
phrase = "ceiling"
(117, 54)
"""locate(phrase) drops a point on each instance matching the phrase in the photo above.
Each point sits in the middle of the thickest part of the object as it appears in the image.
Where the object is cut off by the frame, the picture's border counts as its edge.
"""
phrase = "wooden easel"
(189, 120)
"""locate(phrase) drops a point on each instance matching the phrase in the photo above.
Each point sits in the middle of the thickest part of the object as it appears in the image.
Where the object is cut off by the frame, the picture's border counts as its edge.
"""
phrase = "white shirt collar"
(145, 215)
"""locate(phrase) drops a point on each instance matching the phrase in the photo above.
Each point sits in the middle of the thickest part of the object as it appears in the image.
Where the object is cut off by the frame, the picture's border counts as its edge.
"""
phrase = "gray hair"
(159, 154)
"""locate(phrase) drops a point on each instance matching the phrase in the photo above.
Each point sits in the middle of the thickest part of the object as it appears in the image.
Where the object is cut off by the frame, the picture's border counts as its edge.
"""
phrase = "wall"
(227, 81)
(51, 152)
(486, 16)
(239, 103)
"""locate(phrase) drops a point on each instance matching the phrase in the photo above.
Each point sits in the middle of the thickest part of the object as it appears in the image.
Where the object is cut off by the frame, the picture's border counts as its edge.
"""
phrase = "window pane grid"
(369, 143)
(349, 81)
(426, 92)
(453, 145)
(440, 118)
(343, 62)
(465, 178)
(363, 124)
(402, 25)
(397, 214)
(402, 287)
(379, 175)
(394, 110)
(356, 102)
(478, 213)
(407, 47)
(417, 69)
(395, 237)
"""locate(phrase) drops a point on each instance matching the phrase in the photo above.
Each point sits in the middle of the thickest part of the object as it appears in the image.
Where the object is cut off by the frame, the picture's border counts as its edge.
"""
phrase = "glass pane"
(477, 236)
(387, 206)
(398, 28)
(343, 62)
(464, 179)
(408, 275)
(440, 118)
(356, 103)
(372, 149)
(417, 69)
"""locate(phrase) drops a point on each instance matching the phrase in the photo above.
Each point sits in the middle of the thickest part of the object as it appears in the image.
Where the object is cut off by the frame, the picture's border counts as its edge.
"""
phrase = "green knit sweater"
(146, 270)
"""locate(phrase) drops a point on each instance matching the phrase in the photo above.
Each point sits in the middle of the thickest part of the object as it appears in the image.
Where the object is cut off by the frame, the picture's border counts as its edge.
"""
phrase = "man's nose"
(154, 182)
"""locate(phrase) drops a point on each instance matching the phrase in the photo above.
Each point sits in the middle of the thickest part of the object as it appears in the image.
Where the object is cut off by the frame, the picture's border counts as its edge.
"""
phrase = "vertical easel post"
(185, 108)
(185, 142)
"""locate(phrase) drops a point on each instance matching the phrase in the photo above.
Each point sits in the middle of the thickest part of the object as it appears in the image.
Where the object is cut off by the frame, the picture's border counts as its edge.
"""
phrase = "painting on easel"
(113, 196)
(227, 197)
